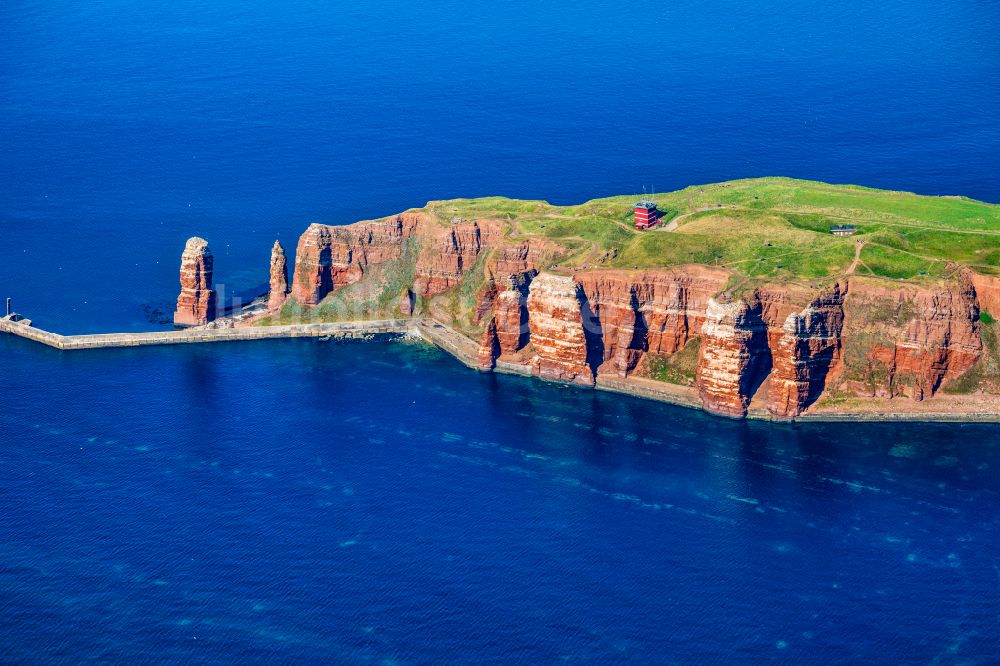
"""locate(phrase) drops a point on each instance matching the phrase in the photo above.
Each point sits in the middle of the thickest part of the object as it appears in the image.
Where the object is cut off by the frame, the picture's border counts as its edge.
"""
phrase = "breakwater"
(194, 335)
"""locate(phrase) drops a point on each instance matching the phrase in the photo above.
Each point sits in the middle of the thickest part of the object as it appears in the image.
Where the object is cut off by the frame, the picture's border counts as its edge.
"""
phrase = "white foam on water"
(747, 500)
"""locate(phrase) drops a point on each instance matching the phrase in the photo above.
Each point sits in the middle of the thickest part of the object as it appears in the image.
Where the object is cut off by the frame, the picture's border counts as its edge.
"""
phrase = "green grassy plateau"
(764, 228)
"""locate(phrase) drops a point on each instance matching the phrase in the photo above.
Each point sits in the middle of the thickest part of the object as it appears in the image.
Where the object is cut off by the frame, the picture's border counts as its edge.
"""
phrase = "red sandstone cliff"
(781, 346)
(448, 253)
(196, 303)
(734, 357)
(649, 311)
(910, 340)
(489, 347)
(508, 278)
(279, 277)
(987, 292)
(328, 258)
(805, 352)
(557, 330)
(406, 303)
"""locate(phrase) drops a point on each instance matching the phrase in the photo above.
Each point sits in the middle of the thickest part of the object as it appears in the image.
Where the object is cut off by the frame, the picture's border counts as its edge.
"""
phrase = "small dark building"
(843, 230)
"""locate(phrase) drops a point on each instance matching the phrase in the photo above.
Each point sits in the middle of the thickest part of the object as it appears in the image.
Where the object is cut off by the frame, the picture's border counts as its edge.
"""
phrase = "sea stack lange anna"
(279, 277)
(196, 303)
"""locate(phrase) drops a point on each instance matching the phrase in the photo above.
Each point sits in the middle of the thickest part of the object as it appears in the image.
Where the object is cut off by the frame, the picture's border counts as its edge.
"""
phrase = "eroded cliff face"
(448, 253)
(511, 313)
(489, 347)
(196, 303)
(634, 313)
(279, 277)
(509, 273)
(987, 292)
(778, 347)
(328, 258)
(805, 352)
(735, 357)
(558, 337)
(911, 340)
(406, 302)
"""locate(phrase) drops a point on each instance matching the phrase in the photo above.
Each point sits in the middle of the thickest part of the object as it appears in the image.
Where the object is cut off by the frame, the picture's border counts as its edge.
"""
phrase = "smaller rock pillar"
(279, 277)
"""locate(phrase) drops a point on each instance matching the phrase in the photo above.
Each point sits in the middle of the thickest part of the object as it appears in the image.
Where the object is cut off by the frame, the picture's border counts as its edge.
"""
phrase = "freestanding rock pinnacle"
(196, 303)
(279, 277)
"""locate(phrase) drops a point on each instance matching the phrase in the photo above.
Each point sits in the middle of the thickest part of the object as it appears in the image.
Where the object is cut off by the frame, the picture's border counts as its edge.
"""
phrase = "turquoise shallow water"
(301, 502)
(294, 502)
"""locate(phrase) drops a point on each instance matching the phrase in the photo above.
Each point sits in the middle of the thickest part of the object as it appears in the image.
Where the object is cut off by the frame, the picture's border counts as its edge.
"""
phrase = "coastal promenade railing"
(105, 340)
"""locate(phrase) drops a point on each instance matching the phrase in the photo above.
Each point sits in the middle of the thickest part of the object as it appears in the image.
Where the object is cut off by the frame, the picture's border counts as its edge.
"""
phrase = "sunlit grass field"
(772, 228)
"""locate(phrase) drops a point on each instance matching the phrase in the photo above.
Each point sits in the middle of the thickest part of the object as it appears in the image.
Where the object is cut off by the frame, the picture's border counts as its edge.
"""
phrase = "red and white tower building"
(646, 214)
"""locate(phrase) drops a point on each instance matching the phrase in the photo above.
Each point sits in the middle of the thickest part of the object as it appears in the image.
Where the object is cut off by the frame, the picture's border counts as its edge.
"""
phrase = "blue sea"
(374, 502)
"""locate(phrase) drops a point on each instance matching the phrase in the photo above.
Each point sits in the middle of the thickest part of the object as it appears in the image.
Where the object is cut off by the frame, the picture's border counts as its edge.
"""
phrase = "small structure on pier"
(13, 317)
(646, 214)
(843, 230)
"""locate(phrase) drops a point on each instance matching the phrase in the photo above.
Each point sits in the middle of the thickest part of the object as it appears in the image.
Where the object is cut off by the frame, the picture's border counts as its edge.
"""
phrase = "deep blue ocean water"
(369, 502)
(298, 502)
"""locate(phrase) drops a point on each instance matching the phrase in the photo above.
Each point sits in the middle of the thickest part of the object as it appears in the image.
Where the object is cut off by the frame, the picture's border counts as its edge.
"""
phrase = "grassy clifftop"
(765, 228)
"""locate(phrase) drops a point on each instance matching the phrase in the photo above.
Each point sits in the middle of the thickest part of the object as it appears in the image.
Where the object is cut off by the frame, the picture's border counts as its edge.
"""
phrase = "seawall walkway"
(456, 344)
(104, 340)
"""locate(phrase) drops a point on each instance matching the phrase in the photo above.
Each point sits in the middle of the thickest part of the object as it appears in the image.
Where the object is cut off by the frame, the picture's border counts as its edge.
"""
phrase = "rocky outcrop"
(196, 303)
(489, 347)
(516, 259)
(509, 273)
(406, 303)
(647, 312)
(734, 356)
(909, 341)
(987, 292)
(557, 331)
(508, 330)
(486, 300)
(279, 277)
(328, 258)
(450, 253)
(805, 352)
(511, 313)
